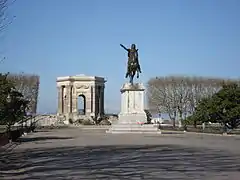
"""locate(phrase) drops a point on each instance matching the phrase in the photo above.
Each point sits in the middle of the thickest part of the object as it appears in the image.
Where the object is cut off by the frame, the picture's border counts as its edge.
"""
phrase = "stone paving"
(75, 153)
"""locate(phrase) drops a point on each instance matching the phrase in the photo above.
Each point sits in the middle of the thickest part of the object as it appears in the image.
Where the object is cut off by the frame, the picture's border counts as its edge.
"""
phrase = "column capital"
(68, 85)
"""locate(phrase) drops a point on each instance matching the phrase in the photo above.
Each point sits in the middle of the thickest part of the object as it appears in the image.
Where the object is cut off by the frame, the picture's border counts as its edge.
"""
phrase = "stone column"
(102, 99)
(69, 99)
(91, 97)
(96, 100)
(93, 100)
(60, 99)
(88, 100)
(74, 100)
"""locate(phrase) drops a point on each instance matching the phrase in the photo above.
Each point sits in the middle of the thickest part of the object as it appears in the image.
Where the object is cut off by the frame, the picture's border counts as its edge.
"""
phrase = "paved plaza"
(76, 153)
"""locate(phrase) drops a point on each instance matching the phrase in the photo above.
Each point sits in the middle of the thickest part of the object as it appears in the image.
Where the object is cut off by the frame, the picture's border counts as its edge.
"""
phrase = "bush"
(105, 122)
(70, 121)
(85, 122)
(14, 135)
(149, 116)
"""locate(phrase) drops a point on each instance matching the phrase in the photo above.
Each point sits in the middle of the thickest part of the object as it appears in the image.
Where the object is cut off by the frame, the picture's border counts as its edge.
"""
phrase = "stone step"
(136, 126)
(133, 132)
(134, 129)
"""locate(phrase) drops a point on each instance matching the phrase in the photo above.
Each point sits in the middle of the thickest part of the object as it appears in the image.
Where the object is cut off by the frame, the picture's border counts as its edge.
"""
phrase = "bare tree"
(156, 95)
(3, 7)
(28, 85)
(202, 88)
(178, 96)
(4, 19)
(162, 97)
(182, 91)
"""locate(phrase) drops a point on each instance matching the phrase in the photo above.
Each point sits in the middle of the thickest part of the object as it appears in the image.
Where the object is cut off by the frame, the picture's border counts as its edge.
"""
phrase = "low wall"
(40, 120)
(46, 120)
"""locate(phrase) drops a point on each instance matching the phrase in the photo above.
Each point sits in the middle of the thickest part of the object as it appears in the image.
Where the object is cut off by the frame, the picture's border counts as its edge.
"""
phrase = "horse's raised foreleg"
(137, 74)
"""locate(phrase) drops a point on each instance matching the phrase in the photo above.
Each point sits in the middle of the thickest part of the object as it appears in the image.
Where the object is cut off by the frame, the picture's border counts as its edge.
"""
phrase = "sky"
(55, 38)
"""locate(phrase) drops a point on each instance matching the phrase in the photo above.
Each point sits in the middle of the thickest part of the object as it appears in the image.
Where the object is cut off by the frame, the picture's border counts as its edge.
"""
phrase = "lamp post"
(224, 125)
(29, 115)
(185, 124)
(159, 117)
(9, 115)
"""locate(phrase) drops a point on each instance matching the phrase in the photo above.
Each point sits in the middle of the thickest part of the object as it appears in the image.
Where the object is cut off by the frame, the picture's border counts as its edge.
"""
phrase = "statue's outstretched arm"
(124, 47)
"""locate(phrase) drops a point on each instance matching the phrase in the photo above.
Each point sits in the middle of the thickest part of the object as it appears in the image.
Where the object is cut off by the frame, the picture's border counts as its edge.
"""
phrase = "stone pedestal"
(132, 104)
(132, 117)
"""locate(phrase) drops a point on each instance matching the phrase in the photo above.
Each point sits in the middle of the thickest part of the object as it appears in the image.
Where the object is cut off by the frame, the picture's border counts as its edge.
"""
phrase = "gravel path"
(75, 153)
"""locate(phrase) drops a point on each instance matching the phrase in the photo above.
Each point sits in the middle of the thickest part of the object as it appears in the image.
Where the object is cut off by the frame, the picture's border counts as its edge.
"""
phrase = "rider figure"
(132, 57)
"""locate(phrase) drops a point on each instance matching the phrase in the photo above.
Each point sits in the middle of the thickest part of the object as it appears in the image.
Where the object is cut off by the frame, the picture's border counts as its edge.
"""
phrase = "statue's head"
(133, 46)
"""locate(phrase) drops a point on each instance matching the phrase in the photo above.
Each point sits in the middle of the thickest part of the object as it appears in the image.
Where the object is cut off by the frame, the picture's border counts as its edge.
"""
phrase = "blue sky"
(67, 37)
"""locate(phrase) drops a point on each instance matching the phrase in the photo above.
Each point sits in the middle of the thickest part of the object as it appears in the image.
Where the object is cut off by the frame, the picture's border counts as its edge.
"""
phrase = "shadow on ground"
(34, 139)
(120, 162)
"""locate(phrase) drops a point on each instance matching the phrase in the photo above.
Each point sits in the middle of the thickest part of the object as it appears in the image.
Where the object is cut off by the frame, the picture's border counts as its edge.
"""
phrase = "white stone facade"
(91, 88)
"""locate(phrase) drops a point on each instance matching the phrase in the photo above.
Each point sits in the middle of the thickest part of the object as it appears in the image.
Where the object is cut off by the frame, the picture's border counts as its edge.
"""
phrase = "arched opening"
(81, 104)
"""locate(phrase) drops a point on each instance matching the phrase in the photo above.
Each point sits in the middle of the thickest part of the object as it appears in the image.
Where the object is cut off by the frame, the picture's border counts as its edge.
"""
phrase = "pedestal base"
(132, 117)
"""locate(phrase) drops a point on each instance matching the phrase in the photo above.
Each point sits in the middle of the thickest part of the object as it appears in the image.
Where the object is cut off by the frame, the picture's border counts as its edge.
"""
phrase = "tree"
(12, 104)
(3, 6)
(226, 106)
(28, 85)
(4, 20)
(14, 110)
(223, 107)
(5, 89)
(162, 96)
(178, 96)
(201, 113)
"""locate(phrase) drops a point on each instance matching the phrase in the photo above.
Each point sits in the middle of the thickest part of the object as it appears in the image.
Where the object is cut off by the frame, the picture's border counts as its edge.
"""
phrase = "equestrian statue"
(133, 65)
